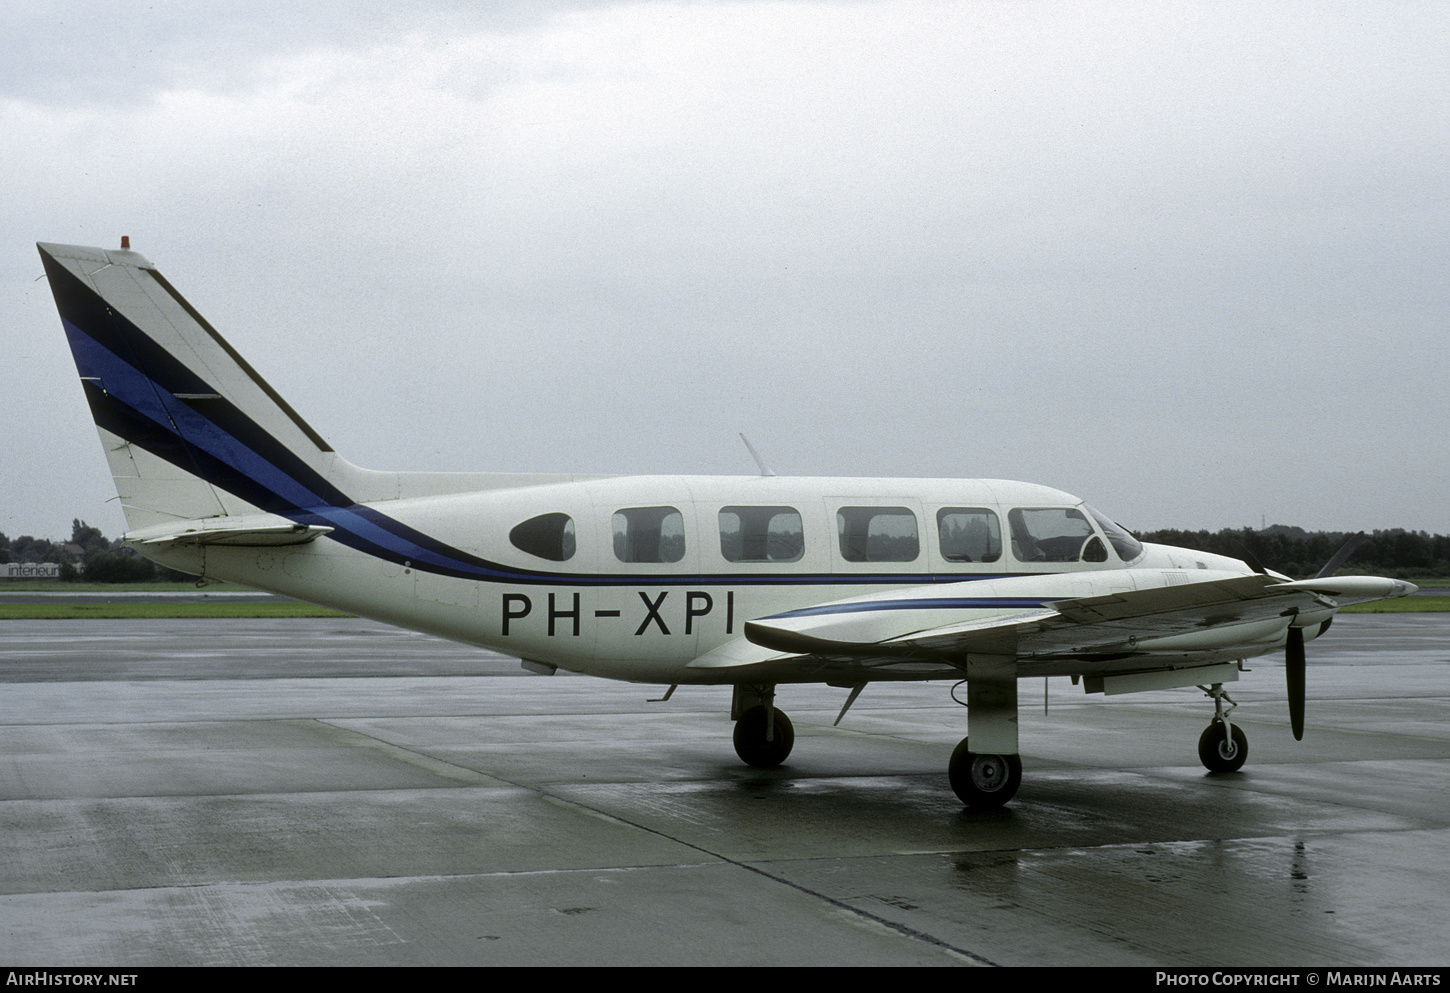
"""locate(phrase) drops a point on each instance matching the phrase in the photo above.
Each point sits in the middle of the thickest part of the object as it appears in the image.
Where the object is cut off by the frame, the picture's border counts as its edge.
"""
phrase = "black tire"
(984, 782)
(750, 743)
(1220, 752)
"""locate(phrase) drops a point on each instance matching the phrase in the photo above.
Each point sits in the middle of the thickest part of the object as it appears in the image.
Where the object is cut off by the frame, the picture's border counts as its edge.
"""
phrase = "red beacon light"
(125, 242)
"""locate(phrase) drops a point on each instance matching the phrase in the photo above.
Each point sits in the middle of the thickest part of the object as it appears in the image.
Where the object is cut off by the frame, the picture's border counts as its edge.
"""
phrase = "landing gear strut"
(986, 779)
(763, 734)
(983, 781)
(1222, 747)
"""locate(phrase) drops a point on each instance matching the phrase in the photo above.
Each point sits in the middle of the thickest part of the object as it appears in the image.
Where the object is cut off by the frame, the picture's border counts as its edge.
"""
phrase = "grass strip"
(56, 586)
(154, 611)
(1404, 605)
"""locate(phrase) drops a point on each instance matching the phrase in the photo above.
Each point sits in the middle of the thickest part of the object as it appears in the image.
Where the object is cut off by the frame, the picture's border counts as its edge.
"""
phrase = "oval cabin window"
(549, 536)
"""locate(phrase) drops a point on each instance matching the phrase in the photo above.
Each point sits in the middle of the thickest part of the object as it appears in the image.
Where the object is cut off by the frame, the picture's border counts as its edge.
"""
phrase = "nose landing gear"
(1222, 747)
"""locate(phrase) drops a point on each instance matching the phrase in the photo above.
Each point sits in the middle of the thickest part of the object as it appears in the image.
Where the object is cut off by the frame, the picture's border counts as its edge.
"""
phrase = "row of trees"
(1290, 550)
(1295, 552)
(89, 555)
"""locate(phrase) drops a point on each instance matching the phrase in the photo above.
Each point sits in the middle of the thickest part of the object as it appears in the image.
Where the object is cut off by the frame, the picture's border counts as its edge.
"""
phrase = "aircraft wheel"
(984, 781)
(1221, 752)
(750, 743)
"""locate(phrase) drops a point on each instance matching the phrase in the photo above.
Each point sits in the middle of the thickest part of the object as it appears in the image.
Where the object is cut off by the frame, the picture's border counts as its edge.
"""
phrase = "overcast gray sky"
(1186, 260)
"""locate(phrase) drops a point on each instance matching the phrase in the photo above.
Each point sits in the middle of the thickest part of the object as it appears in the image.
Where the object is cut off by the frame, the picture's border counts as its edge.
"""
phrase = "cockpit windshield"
(1127, 547)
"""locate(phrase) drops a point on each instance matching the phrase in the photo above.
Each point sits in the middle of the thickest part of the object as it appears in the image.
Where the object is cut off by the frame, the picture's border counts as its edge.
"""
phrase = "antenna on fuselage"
(764, 469)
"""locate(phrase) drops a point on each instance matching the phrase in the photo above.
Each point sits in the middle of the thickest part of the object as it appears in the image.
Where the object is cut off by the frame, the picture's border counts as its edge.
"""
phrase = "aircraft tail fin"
(189, 427)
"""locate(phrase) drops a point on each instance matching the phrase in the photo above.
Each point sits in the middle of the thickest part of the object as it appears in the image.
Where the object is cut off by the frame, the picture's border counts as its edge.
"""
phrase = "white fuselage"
(641, 605)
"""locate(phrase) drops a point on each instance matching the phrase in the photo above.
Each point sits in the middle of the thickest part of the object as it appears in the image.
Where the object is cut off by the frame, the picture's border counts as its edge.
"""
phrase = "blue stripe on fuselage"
(138, 391)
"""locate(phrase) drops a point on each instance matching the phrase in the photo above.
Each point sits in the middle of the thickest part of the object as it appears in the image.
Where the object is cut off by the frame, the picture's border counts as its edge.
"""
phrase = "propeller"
(1294, 647)
(1345, 551)
(1294, 676)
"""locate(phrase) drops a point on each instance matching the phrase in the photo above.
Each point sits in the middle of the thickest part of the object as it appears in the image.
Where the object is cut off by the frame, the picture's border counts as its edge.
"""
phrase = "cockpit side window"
(549, 536)
(969, 534)
(761, 534)
(877, 534)
(1127, 547)
(1052, 534)
(649, 534)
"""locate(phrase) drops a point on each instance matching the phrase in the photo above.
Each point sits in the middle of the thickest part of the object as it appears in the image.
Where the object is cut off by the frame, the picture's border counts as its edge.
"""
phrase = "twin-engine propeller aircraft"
(747, 582)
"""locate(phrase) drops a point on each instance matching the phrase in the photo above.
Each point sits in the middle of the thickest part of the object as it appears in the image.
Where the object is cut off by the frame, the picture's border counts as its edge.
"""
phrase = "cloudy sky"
(1190, 261)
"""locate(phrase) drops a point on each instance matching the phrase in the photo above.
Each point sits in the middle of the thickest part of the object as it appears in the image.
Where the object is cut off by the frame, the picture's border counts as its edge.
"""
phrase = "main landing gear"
(763, 734)
(988, 778)
(983, 781)
(1222, 747)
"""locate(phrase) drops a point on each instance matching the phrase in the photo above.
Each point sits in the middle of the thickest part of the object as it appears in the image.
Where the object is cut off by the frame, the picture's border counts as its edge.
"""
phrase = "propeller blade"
(1294, 676)
(1294, 647)
(1250, 559)
(1345, 551)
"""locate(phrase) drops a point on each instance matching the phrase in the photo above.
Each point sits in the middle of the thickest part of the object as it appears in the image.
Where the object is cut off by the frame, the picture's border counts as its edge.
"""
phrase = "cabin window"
(549, 536)
(969, 534)
(649, 534)
(877, 534)
(1053, 534)
(761, 534)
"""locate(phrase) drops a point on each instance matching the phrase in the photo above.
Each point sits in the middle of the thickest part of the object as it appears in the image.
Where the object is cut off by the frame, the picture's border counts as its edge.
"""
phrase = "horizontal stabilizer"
(258, 536)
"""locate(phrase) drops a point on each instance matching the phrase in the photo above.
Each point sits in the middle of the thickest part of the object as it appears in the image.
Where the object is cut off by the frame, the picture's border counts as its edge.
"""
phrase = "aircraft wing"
(1166, 614)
